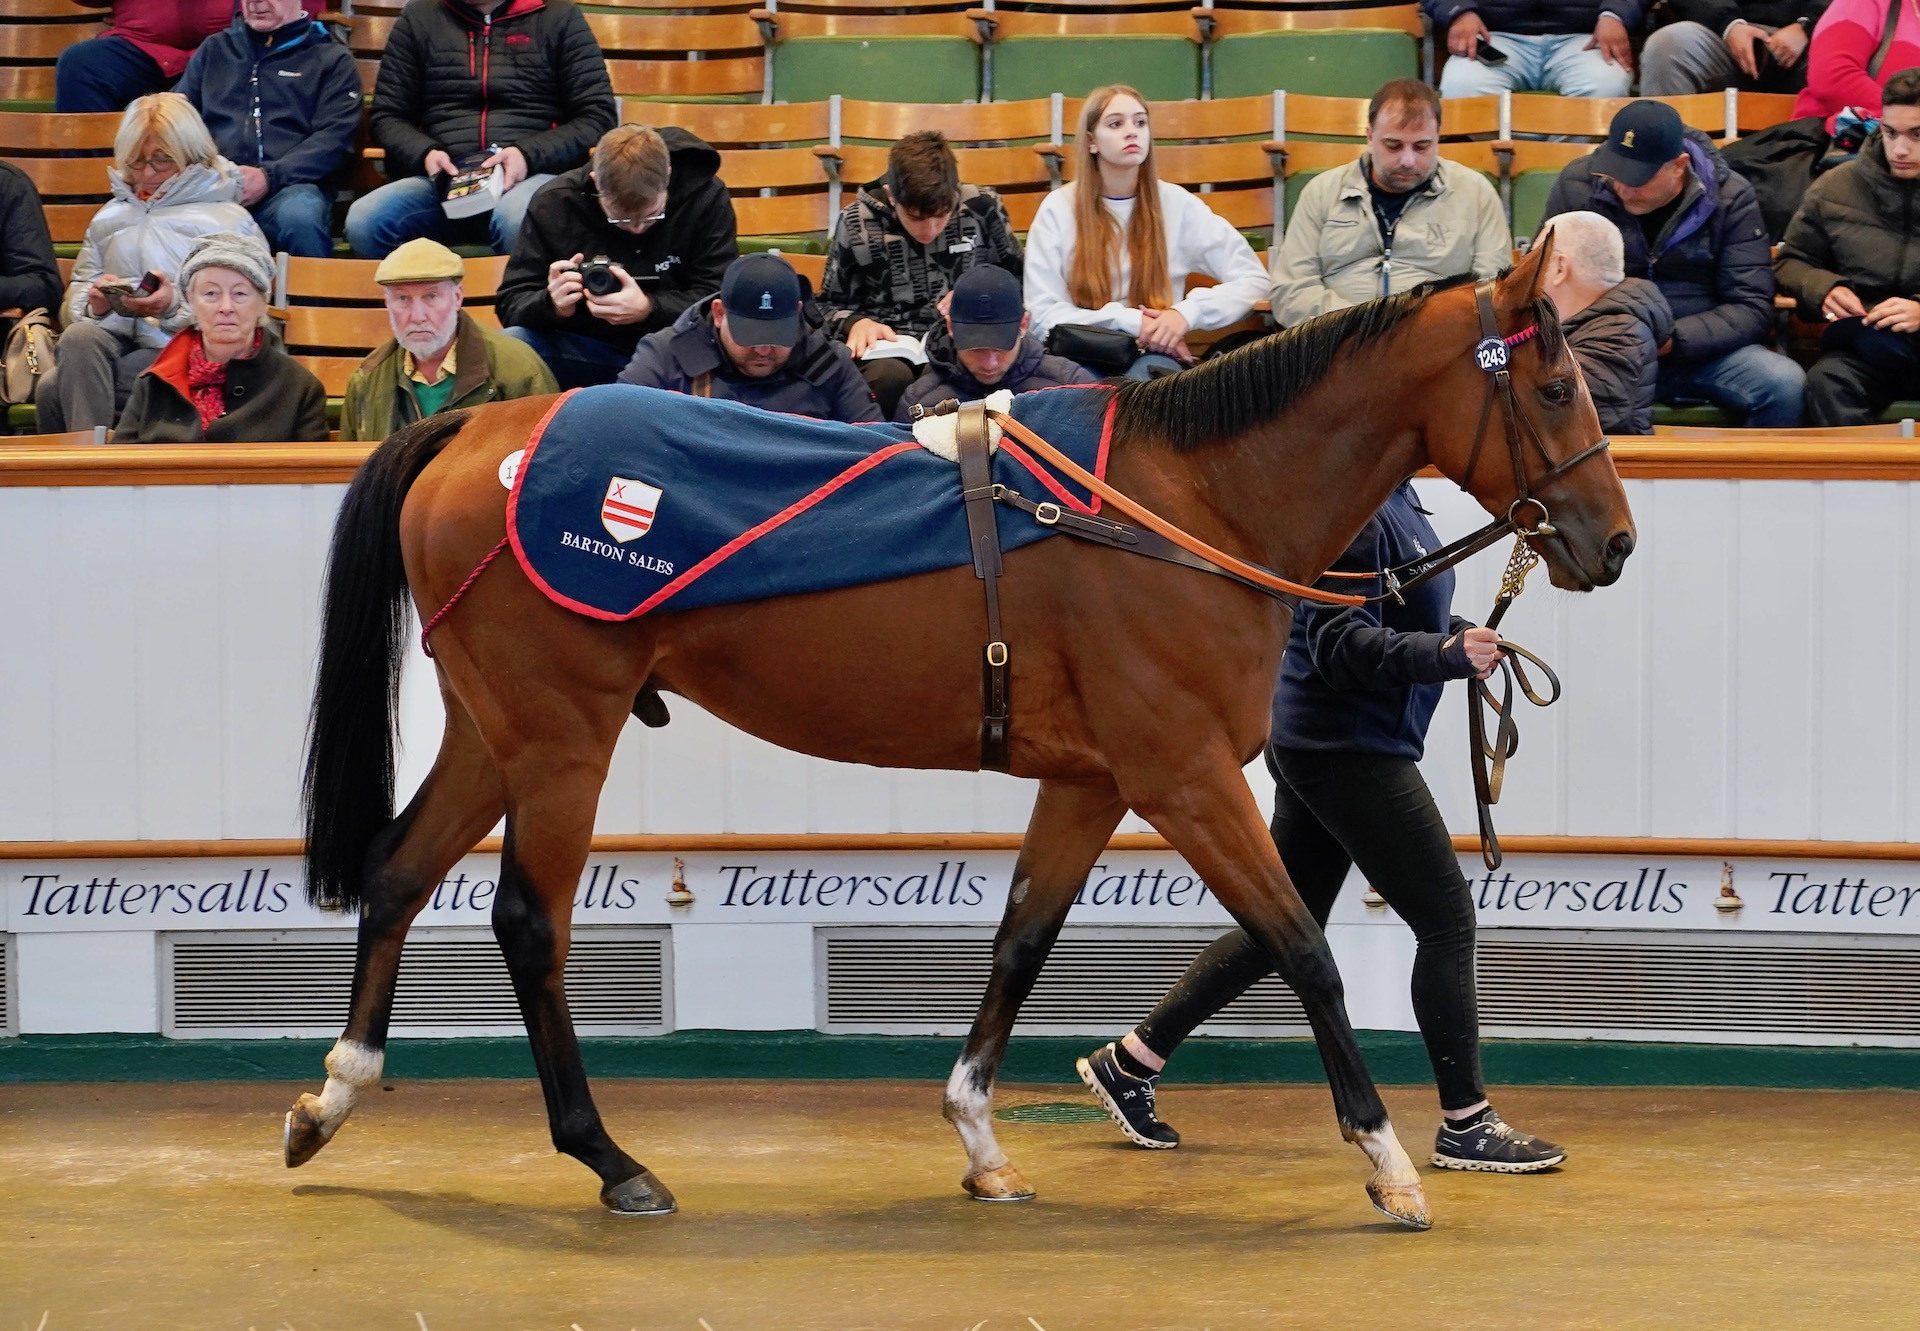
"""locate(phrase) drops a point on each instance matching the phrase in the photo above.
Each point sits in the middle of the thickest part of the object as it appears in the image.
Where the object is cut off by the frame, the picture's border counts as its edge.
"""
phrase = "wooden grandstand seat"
(53, 11)
(917, 57)
(726, 125)
(42, 43)
(1237, 181)
(681, 55)
(1761, 110)
(781, 198)
(1589, 117)
(1217, 23)
(44, 134)
(71, 190)
(813, 267)
(1038, 54)
(1034, 120)
(1254, 117)
(71, 439)
(736, 79)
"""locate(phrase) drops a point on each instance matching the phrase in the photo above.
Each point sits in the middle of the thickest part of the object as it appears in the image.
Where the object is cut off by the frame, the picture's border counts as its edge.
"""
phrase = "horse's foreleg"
(1071, 824)
(549, 833)
(460, 799)
(1210, 817)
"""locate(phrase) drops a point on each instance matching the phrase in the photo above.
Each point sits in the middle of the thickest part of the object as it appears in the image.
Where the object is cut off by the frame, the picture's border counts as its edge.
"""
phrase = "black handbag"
(1095, 348)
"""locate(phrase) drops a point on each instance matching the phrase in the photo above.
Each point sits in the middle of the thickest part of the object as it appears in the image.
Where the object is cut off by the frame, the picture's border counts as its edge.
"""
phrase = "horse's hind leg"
(553, 790)
(1071, 824)
(460, 799)
(1208, 814)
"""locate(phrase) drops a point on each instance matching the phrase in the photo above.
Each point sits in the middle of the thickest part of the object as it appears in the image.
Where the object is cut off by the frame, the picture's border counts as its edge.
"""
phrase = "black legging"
(1330, 812)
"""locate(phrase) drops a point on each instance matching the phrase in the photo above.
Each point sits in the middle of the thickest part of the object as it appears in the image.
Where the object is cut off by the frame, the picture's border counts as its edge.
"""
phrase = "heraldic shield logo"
(627, 511)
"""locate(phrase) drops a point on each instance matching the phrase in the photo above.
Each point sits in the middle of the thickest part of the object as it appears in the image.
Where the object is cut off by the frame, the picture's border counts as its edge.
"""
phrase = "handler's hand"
(1483, 650)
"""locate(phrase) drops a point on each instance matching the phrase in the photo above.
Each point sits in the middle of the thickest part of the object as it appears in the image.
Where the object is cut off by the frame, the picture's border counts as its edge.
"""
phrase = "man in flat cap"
(438, 358)
(752, 343)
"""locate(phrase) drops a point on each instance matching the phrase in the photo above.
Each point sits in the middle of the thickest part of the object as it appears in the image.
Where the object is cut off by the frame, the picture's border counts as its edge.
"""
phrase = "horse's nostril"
(1619, 548)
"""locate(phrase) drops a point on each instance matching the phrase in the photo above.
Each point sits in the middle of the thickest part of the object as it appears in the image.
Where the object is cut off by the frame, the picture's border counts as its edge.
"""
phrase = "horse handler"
(1357, 690)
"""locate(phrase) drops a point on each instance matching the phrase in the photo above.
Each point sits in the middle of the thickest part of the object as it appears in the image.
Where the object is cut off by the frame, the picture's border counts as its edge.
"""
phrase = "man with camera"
(753, 344)
(617, 249)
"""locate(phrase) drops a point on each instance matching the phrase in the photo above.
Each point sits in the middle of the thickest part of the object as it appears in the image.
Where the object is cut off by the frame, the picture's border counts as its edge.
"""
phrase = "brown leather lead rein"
(1489, 761)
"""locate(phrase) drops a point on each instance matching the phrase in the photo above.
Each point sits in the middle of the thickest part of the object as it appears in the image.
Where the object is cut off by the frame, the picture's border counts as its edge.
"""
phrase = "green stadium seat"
(1162, 68)
(896, 69)
(1344, 63)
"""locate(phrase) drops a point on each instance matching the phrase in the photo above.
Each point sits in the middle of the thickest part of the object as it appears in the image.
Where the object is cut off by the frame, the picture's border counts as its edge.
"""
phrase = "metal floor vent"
(1711, 987)
(1098, 980)
(452, 982)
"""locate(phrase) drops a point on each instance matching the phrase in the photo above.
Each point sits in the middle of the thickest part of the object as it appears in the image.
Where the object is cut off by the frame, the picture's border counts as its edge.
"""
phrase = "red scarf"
(208, 379)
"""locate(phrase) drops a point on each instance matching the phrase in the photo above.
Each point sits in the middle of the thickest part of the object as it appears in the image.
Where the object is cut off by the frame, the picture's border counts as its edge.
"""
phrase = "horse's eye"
(1558, 393)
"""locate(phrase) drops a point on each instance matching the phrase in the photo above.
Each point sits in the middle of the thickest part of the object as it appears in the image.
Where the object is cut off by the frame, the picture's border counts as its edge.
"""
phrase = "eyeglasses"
(159, 163)
(634, 224)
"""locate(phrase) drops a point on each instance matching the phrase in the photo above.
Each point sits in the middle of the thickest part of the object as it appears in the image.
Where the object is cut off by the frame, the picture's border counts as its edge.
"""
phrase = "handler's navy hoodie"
(1366, 678)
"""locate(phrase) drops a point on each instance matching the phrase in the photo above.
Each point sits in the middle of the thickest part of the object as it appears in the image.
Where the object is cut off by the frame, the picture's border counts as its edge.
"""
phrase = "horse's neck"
(1295, 490)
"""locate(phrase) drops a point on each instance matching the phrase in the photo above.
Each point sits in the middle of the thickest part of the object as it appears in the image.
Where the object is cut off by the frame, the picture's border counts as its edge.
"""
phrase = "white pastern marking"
(967, 1110)
(1390, 1163)
(350, 1066)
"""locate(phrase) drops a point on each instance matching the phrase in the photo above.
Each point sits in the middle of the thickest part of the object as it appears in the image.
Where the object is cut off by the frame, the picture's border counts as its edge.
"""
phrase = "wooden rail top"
(1765, 456)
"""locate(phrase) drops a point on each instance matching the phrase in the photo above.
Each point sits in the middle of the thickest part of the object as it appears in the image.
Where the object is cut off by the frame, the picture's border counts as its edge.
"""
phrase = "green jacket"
(491, 368)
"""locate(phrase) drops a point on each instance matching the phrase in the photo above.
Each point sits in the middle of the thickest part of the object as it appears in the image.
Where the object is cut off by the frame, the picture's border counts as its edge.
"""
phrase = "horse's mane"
(1231, 394)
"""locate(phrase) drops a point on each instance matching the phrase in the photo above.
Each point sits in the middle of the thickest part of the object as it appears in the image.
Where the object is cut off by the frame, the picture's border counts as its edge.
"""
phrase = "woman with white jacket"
(1113, 248)
(170, 188)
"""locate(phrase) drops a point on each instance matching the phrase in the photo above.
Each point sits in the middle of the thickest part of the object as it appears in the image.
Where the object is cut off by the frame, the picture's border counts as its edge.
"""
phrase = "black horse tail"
(347, 792)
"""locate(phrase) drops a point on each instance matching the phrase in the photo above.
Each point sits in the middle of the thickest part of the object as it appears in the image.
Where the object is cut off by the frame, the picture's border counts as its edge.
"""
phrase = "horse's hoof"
(1406, 1203)
(305, 1132)
(643, 1194)
(1003, 1184)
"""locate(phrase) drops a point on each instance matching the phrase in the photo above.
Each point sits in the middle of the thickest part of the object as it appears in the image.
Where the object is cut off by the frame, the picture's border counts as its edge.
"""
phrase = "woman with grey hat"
(224, 378)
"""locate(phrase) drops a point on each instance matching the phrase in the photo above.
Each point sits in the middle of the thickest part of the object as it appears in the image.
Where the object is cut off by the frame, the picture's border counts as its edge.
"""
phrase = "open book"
(905, 347)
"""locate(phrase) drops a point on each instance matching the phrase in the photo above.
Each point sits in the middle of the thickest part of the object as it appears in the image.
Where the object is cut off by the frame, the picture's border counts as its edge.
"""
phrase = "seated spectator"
(752, 344)
(143, 50)
(1614, 324)
(1114, 246)
(1848, 256)
(1850, 58)
(1691, 226)
(982, 344)
(224, 379)
(899, 247)
(1756, 46)
(495, 83)
(170, 188)
(650, 204)
(1577, 48)
(439, 359)
(29, 278)
(1400, 197)
(281, 97)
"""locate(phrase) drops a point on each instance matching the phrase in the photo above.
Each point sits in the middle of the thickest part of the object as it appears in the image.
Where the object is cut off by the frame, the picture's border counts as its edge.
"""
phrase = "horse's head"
(1511, 423)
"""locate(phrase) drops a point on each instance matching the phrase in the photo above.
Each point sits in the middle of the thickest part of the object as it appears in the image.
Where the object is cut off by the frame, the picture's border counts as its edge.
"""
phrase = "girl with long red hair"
(1113, 248)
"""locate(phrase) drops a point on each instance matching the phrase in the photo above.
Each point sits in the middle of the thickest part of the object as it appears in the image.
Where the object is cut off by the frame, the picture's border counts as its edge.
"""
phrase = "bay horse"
(1137, 684)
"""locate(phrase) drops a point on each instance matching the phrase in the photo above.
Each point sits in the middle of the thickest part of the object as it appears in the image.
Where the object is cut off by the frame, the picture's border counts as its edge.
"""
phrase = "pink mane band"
(1526, 334)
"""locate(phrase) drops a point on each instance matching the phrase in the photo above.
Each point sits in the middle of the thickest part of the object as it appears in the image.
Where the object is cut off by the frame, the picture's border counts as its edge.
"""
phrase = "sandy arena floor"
(837, 1205)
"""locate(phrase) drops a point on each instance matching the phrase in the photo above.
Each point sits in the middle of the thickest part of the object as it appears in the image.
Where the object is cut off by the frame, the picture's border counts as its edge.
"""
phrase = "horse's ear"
(1522, 284)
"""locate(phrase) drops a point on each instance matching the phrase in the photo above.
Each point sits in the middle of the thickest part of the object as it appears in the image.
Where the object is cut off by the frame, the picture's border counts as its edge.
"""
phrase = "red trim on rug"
(1042, 475)
(513, 519)
(780, 519)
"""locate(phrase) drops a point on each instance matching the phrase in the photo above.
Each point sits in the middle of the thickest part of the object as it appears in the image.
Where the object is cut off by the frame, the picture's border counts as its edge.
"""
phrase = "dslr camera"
(598, 277)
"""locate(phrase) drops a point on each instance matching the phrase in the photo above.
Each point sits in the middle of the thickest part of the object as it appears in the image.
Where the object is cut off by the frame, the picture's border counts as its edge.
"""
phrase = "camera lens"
(599, 278)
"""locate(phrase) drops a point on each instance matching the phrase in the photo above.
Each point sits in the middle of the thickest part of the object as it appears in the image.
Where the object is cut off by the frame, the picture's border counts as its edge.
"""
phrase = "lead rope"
(1489, 760)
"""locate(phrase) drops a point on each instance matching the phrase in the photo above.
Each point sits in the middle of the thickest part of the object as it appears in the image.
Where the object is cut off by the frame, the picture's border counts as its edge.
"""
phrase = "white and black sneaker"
(1128, 1098)
(1486, 1143)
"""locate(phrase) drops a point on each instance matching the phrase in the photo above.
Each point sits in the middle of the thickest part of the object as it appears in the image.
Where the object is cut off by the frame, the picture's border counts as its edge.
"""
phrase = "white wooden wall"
(1753, 675)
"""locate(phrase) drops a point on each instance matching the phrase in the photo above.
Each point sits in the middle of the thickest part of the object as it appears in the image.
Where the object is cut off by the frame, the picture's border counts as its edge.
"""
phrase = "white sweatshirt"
(1198, 241)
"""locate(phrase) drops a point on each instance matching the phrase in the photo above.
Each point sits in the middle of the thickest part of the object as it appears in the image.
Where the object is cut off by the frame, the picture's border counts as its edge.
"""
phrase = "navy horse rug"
(627, 500)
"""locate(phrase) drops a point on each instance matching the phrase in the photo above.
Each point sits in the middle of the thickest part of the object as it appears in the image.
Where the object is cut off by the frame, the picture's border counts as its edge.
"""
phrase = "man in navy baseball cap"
(1644, 137)
(760, 295)
(985, 345)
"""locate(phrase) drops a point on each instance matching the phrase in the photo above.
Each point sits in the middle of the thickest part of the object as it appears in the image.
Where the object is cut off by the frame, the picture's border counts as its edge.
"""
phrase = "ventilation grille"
(1760, 985)
(1096, 981)
(452, 982)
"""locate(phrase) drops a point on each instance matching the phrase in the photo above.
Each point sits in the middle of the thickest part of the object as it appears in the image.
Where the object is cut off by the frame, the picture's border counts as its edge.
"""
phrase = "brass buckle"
(996, 653)
(1046, 514)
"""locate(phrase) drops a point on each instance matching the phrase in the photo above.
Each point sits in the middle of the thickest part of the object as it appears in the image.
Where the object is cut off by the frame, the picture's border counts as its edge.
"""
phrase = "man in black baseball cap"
(985, 346)
(752, 343)
(1691, 225)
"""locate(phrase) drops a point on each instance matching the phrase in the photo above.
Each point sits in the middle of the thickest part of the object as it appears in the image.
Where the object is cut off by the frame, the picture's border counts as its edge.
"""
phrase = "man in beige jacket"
(1397, 216)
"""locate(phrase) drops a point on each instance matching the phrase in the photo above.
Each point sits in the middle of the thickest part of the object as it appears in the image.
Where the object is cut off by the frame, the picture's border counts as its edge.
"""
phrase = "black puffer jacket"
(1711, 260)
(677, 261)
(1616, 341)
(1858, 227)
(529, 76)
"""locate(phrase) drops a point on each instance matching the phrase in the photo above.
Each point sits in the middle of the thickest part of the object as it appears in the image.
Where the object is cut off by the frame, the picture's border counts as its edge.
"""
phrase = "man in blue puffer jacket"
(1577, 48)
(1692, 226)
(281, 97)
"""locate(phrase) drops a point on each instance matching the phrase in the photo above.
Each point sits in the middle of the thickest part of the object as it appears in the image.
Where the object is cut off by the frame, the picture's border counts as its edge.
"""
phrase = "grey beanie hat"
(246, 255)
